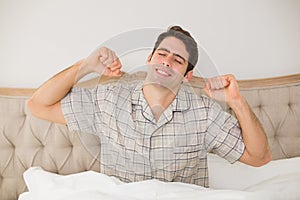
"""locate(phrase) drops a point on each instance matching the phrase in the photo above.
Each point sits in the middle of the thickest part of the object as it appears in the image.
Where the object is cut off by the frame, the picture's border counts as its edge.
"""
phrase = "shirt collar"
(182, 100)
(180, 103)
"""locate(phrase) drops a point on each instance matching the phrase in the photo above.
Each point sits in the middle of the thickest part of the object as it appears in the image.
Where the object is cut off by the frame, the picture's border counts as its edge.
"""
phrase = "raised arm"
(45, 102)
(225, 88)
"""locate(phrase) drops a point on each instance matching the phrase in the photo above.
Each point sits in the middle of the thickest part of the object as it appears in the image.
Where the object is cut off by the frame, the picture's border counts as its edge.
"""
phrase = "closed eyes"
(177, 59)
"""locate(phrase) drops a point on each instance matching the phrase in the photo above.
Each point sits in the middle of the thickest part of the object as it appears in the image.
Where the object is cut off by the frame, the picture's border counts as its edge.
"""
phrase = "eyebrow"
(175, 54)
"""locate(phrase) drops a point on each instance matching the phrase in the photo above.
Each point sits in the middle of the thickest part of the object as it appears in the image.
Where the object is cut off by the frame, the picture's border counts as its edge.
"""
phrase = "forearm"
(45, 102)
(58, 86)
(254, 136)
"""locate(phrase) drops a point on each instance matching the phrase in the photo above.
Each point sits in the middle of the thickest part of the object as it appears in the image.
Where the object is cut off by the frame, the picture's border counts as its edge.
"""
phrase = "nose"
(167, 61)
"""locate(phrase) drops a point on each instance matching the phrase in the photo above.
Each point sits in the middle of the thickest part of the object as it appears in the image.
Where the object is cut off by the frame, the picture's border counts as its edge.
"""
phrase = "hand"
(104, 61)
(223, 88)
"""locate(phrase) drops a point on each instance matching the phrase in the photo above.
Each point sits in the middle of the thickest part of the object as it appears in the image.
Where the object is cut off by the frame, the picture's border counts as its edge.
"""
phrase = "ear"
(188, 76)
(149, 58)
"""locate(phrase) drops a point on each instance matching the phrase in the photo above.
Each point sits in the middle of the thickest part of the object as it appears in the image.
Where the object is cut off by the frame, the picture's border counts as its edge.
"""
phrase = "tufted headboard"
(26, 141)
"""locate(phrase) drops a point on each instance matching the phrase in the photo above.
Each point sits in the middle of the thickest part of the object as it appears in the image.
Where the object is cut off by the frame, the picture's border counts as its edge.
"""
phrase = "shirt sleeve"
(224, 133)
(78, 108)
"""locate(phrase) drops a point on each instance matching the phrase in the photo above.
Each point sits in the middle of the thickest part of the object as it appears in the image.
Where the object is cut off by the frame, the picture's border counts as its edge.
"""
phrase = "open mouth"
(162, 72)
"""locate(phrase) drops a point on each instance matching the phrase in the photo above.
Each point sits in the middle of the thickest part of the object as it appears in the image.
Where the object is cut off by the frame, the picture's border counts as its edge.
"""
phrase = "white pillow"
(239, 176)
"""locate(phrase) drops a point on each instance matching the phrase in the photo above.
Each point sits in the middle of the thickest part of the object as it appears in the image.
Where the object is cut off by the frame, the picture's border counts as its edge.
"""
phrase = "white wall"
(251, 39)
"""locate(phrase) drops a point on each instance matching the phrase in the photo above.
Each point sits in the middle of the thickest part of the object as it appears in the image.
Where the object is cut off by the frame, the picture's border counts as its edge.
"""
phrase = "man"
(156, 128)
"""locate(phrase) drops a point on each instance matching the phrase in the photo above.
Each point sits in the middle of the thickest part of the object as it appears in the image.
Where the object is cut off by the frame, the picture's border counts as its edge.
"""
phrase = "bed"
(56, 161)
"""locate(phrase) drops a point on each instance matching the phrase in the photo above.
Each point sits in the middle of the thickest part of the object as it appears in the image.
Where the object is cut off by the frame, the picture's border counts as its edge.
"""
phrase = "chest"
(135, 128)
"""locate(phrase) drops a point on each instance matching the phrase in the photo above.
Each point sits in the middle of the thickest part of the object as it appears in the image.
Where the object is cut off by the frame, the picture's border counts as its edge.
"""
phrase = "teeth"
(162, 72)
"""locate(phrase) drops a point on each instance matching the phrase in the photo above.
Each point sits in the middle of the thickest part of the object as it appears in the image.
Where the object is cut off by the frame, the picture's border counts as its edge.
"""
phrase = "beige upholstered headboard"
(26, 141)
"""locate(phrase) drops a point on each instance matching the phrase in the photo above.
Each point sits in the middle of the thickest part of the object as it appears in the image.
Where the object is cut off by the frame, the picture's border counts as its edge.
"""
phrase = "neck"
(159, 98)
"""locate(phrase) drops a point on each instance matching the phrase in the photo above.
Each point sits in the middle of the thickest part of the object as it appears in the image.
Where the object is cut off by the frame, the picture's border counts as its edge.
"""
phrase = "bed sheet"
(239, 176)
(92, 185)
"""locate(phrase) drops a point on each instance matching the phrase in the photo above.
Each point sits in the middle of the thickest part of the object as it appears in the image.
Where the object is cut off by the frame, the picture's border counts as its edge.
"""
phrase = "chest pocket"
(189, 147)
(187, 157)
(189, 151)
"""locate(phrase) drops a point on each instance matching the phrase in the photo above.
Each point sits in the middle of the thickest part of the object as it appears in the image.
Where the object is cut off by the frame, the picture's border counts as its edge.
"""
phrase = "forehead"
(175, 46)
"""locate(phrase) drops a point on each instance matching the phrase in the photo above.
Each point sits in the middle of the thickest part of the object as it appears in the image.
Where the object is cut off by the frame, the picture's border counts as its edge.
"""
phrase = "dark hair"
(186, 38)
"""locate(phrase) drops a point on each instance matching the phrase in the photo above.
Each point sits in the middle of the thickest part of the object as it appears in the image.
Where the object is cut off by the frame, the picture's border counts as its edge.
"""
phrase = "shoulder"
(118, 89)
(200, 101)
(197, 94)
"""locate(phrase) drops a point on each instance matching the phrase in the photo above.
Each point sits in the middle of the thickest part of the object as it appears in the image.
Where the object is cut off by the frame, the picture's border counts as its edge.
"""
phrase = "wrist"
(82, 70)
(237, 103)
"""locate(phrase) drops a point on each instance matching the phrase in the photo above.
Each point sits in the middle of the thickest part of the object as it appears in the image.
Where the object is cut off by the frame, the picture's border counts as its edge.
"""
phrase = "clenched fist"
(103, 61)
(223, 88)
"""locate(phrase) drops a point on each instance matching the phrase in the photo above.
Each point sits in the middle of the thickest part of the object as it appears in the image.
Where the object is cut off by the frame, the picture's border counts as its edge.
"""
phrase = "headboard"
(26, 141)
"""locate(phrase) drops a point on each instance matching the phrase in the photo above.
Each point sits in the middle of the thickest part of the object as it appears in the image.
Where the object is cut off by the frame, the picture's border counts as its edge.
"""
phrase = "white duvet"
(92, 185)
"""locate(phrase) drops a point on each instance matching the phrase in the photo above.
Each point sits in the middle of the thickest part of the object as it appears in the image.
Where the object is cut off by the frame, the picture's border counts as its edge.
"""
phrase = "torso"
(135, 146)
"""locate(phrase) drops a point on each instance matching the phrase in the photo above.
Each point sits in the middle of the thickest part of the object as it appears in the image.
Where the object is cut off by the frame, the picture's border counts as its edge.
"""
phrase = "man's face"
(168, 64)
(171, 53)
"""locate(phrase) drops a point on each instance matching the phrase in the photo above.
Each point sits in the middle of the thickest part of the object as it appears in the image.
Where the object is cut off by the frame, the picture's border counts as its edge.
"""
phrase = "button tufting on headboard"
(278, 109)
(26, 141)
